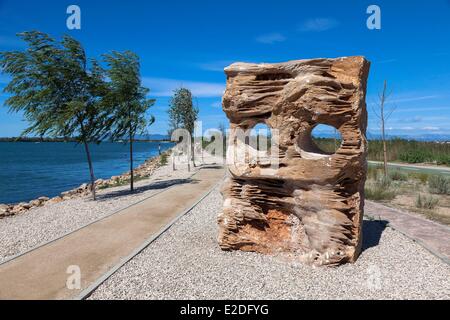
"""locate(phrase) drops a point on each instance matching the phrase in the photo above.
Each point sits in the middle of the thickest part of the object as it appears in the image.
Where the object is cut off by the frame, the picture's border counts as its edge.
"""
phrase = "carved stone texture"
(311, 205)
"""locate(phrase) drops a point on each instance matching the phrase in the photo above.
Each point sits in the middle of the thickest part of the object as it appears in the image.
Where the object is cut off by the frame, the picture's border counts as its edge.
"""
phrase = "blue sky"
(187, 43)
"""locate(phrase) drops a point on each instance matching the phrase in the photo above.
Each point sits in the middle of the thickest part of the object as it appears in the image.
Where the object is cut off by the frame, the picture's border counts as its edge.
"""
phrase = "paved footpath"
(97, 248)
(432, 235)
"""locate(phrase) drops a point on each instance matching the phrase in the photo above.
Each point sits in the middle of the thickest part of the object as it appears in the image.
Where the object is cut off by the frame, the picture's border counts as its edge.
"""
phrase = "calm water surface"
(30, 170)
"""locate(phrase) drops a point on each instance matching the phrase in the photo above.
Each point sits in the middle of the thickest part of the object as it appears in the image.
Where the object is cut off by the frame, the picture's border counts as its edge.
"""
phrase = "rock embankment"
(144, 170)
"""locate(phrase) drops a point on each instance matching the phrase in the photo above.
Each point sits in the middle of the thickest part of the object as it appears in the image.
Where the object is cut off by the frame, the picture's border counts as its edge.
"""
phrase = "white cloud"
(405, 98)
(318, 25)
(431, 128)
(414, 99)
(163, 87)
(271, 38)
(424, 109)
(215, 65)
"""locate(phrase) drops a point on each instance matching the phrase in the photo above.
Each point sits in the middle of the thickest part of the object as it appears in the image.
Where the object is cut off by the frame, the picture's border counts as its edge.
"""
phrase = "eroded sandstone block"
(311, 204)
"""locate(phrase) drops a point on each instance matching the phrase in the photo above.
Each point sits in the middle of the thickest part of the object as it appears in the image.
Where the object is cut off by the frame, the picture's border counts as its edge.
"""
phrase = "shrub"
(439, 184)
(423, 177)
(443, 159)
(372, 173)
(163, 159)
(414, 156)
(397, 175)
(377, 193)
(426, 202)
(384, 182)
(380, 190)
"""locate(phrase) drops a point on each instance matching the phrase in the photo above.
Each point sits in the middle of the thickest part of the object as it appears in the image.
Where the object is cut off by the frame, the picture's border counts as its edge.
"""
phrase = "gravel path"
(39, 225)
(186, 263)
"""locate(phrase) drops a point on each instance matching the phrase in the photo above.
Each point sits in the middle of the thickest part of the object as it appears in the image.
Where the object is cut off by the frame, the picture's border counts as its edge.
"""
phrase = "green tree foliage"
(127, 100)
(58, 90)
(183, 113)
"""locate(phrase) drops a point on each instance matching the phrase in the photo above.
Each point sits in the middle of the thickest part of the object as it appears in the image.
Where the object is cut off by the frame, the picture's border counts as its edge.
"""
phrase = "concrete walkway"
(432, 235)
(43, 273)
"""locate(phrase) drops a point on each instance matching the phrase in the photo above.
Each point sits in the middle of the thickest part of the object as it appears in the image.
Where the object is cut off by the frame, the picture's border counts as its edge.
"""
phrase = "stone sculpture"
(311, 203)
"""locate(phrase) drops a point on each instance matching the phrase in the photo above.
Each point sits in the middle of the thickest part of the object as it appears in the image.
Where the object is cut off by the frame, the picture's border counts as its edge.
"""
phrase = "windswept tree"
(183, 113)
(58, 90)
(127, 100)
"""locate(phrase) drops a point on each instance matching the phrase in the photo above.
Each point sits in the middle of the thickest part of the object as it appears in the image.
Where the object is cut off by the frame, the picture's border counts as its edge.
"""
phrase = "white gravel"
(186, 263)
(23, 232)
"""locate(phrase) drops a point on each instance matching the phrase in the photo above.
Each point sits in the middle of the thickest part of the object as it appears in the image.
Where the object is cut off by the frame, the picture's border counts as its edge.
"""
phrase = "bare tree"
(384, 113)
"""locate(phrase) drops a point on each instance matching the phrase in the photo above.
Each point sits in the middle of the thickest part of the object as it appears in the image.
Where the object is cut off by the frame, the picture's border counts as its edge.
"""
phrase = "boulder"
(35, 203)
(55, 200)
(24, 205)
(4, 210)
(67, 193)
(294, 198)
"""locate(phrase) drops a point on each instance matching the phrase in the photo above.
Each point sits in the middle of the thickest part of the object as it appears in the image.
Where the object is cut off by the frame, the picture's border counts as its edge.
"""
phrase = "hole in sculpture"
(322, 142)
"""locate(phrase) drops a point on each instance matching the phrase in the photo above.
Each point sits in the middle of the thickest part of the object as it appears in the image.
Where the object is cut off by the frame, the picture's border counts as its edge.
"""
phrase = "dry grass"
(403, 190)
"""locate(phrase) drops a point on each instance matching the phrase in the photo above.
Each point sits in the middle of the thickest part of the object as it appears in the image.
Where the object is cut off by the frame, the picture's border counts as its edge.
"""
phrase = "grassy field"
(422, 193)
(399, 150)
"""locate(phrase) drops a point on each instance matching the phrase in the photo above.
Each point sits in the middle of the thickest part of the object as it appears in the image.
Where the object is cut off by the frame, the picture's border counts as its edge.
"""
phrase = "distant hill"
(419, 137)
(152, 137)
(149, 137)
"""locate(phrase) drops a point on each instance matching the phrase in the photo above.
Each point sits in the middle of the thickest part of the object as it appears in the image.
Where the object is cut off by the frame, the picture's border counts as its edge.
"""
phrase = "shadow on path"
(372, 231)
(159, 185)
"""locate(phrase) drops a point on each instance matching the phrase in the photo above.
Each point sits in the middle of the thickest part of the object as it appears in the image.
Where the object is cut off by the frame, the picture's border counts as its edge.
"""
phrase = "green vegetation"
(65, 95)
(380, 189)
(183, 114)
(426, 194)
(399, 150)
(411, 151)
(163, 159)
(58, 89)
(398, 175)
(426, 202)
(127, 100)
(328, 145)
(439, 185)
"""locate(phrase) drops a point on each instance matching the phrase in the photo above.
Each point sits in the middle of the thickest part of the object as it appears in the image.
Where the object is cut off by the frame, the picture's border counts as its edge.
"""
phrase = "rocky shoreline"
(142, 171)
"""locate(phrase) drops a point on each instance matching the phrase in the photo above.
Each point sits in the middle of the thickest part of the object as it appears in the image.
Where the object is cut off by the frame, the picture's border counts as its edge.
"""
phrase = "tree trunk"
(173, 160)
(189, 158)
(131, 164)
(91, 168)
(193, 154)
(203, 157)
(383, 135)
